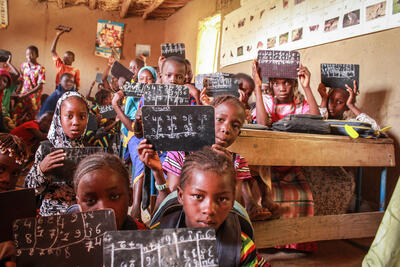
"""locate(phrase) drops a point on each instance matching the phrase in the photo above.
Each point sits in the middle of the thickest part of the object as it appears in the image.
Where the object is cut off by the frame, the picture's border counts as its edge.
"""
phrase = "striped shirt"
(173, 163)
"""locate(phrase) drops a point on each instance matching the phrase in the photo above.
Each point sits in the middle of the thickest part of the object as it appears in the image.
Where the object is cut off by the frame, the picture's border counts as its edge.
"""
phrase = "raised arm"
(54, 45)
(13, 68)
(120, 114)
(261, 114)
(304, 78)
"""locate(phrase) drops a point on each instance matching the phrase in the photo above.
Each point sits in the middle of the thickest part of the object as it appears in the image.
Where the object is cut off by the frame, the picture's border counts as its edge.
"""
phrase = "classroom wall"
(32, 22)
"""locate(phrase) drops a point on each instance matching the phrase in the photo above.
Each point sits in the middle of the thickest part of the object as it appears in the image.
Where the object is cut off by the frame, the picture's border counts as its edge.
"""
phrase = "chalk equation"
(173, 49)
(166, 94)
(165, 247)
(278, 64)
(221, 86)
(74, 239)
(107, 111)
(199, 79)
(338, 75)
(133, 89)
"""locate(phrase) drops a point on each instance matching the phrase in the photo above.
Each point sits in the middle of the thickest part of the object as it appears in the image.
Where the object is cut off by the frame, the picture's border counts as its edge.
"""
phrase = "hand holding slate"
(304, 76)
(53, 160)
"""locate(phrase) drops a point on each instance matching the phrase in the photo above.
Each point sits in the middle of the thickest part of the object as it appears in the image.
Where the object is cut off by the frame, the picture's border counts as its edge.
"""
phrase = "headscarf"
(56, 135)
(152, 71)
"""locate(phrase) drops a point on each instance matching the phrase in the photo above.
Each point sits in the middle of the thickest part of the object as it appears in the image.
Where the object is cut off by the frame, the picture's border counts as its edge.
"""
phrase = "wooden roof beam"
(124, 8)
(61, 3)
(152, 7)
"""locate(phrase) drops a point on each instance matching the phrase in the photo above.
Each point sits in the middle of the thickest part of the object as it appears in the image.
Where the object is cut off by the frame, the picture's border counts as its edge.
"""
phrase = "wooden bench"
(267, 148)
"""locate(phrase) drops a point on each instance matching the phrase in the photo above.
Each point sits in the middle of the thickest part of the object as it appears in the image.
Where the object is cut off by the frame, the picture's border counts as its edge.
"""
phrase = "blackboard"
(166, 94)
(74, 156)
(133, 89)
(107, 112)
(338, 75)
(4, 55)
(179, 128)
(199, 79)
(221, 86)
(278, 64)
(118, 70)
(15, 204)
(74, 239)
(173, 49)
(164, 247)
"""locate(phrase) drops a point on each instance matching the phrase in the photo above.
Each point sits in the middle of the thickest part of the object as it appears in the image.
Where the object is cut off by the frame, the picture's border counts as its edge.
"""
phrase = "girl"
(206, 194)
(67, 130)
(229, 118)
(101, 181)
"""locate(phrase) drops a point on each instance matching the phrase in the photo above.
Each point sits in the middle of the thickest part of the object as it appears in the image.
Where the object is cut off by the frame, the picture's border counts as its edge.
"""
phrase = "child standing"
(64, 65)
(67, 130)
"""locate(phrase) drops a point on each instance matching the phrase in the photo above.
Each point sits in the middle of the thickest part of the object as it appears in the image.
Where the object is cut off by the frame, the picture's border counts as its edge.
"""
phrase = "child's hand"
(9, 60)
(111, 60)
(138, 126)
(352, 93)
(60, 32)
(304, 76)
(118, 96)
(149, 156)
(52, 161)
(161, 60)
(322, 91)
(204, 99)
(256, 74)
(220, 149)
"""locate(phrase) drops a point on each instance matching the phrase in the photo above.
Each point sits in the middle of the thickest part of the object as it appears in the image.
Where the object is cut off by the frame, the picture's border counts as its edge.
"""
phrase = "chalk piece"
(166, 94)
(173, 49)
(162, 247)
(15, 204)
(278, 64)
(179, 128)
(107, 111)
(118, 70)
(74, 239)
(199, 79)
(134, 89)
(221, 86)
(338, 75)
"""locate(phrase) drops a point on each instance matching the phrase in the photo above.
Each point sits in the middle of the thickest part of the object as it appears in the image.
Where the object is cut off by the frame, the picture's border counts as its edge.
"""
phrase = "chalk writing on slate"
(107, 111)
(166, 94)
(74, 239)
(15, 204)
(179, 128)
(199, 79)
(133, 89)
(278, 64)
(118, 70)
(165, 247)
(338, 75)
(221, 86)
(74, 156)
(173, 49)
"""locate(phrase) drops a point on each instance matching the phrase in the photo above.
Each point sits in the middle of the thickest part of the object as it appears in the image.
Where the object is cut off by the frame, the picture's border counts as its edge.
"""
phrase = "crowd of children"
(212, 187)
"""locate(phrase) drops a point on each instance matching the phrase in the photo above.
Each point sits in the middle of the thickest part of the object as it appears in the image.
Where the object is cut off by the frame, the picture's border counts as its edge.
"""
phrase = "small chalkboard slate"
(164, 247)
(173, 49)
(134, 89)
(118, 70)
(107, 112)
(15, 204)
(338, 75)
(221, 86)
(166, 94)
(179, 128)
(278, 64)
(199, 79)
(74, 239)
(4, 55)
(74, 156)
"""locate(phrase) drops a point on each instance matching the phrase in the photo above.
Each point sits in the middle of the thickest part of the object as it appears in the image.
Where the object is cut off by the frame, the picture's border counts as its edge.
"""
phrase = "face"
(9, 171)
(67, 82)
(134, 68)
(100, 86)
(104, 189)
(74, 117)
(107, 100)
(337, 103)
(146, 77)
(45, 122)
(283, 90)
(173, 73)
(245, 86)
(189, 74)
(207, 199)
(31, 56)
(229, 118)
(68, 59)
(3, 82)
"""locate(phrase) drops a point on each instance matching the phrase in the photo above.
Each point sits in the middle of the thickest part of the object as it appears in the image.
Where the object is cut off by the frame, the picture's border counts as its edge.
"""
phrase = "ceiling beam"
(152, 7)
(61, 3)
(124, 8)
(92, 4)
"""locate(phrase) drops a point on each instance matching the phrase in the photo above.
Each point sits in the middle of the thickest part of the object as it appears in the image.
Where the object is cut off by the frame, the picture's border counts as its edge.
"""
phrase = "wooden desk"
(296, 149)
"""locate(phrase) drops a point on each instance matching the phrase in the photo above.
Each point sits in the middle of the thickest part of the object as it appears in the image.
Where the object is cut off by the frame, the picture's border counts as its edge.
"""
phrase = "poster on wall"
(3, 14)
(109, 37)
(296, 24)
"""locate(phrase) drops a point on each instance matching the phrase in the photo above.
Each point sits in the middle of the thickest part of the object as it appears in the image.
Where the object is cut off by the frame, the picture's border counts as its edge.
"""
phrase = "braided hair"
(15, 147)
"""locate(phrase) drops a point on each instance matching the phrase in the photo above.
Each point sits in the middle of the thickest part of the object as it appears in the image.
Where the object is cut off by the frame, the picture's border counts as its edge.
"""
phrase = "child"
(5, 82)
(229, 118)
(64, 65)
(33, 75)
(13, 157)
(67, 83)
(67, 130)
(100, 87)
(246, 88)
(338, 100)
(188, 82)
(206, 194)
(101, 181)
(134, 66)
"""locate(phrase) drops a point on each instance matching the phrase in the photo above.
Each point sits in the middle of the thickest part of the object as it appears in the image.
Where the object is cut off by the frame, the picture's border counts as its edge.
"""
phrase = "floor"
(338, 253)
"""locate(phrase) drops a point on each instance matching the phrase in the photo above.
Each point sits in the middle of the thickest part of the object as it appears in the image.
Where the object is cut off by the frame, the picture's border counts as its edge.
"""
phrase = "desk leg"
(383, 189)
(358, 188)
